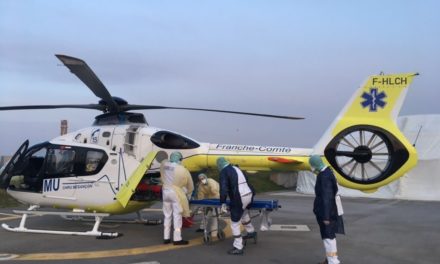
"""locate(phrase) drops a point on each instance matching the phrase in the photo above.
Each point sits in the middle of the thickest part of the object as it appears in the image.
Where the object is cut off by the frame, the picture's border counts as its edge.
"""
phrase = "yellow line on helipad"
(10, 218)
(106, 253)
(152, 210)
(113, 252)
(8, 214)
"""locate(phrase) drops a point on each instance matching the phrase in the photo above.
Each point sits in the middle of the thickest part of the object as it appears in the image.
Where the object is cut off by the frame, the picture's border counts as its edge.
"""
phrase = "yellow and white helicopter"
(109, 168)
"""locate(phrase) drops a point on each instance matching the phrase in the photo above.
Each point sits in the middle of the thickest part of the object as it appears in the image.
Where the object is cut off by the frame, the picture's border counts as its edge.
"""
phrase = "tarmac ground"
(377, 231)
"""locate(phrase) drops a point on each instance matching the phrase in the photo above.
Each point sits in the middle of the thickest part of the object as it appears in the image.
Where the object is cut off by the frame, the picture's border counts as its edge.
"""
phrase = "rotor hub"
(119, 101)
(362, 154)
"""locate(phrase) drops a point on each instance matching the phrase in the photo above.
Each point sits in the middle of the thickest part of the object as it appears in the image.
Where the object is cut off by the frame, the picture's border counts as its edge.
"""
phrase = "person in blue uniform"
(325, 208)
(233, 183)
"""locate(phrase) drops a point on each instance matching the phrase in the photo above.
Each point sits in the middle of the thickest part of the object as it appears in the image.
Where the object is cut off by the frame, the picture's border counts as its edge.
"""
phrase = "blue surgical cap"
(221, 163)
(176, 157)
(316, 162)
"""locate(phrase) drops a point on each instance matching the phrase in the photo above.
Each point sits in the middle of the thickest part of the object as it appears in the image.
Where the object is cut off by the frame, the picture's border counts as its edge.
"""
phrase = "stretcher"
(264, 208)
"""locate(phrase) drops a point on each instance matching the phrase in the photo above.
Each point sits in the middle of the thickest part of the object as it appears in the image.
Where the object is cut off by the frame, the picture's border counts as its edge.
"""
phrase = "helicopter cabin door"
(58, 171)
(68, 170)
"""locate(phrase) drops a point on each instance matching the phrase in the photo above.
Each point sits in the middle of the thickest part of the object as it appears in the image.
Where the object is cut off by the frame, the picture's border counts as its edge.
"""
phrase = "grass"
(260, 181)
(6, 200)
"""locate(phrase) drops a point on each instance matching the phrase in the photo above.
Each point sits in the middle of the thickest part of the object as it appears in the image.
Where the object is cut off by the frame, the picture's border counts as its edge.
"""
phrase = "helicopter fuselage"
(85, 169)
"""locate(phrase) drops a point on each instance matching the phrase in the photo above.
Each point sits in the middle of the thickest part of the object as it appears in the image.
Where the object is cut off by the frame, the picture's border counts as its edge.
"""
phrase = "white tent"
(422, 182)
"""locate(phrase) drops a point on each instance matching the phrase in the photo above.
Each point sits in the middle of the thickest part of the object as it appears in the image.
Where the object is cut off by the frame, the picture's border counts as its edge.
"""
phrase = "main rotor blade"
(153, 107)
(89, 78)
(27, 107)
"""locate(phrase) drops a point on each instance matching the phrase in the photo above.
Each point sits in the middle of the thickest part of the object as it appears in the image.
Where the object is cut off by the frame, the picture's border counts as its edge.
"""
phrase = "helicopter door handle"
(79, 180)
(76, 180)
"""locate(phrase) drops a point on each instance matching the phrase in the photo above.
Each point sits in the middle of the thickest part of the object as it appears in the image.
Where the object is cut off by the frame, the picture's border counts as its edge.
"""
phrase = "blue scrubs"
(324, 206)
(229, 187)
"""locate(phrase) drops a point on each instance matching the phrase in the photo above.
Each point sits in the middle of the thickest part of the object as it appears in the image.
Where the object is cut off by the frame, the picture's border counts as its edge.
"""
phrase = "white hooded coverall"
(210, 190)
(174, 178)
(246, 199)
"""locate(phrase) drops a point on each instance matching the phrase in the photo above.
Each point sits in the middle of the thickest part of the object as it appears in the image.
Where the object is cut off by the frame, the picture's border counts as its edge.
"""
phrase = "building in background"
(4, 160)
(63, 127)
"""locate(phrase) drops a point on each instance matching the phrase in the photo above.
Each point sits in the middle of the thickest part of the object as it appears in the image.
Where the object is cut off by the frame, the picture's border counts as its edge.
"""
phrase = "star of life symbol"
(374, 99)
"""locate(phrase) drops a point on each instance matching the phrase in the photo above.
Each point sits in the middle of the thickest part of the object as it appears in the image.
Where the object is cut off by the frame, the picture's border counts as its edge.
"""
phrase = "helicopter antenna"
(417, 137)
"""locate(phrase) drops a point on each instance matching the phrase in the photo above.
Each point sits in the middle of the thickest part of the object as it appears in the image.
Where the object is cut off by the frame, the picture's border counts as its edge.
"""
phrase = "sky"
(297, 58)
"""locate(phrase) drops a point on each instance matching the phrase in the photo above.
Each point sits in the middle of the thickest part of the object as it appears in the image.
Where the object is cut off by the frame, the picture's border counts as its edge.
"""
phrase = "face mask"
(205, 181)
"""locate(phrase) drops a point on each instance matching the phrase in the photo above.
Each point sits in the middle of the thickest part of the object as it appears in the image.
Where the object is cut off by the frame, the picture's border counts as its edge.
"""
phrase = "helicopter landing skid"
(94, 232)
(138, 220)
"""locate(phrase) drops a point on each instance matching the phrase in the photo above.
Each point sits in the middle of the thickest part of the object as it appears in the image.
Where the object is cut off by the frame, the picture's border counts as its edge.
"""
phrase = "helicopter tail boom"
(363, 145)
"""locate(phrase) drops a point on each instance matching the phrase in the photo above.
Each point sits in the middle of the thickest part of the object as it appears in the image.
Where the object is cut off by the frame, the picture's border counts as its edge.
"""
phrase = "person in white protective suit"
(208, 189)
(233, 183)
(327, 210)
(176, 190)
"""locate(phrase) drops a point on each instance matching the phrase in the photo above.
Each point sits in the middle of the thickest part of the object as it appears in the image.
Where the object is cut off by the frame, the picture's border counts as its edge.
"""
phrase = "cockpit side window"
(60, 161)
(93, 161)
(45, 161)
(73, 161)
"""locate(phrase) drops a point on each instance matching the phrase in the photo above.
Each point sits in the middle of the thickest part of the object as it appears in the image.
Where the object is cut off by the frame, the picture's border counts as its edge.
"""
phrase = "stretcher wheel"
(255, 238)
(221, 235)
(206, 239)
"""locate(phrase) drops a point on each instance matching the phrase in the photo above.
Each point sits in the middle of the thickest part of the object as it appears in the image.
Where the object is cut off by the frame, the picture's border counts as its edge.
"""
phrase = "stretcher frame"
(263, 206)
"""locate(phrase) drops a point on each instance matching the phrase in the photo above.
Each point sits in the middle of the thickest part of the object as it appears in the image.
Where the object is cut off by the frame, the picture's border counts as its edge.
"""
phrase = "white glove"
(224, 209)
